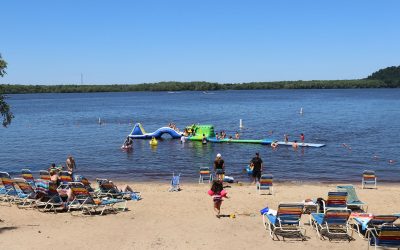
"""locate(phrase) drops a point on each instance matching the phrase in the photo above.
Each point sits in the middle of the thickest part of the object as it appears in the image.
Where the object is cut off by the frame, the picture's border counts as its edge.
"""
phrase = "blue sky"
(53, 42)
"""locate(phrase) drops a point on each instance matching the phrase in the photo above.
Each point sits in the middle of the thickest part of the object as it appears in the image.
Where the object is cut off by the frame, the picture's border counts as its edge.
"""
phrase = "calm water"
(48, 127)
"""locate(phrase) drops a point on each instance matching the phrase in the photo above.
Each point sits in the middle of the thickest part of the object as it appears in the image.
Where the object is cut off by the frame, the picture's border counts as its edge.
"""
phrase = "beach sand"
(181, 220)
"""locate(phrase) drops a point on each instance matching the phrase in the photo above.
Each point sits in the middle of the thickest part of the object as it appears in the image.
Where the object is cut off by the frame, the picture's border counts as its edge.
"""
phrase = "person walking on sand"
(258, 166)
(219, 167)
(217, 192)
(70, 163)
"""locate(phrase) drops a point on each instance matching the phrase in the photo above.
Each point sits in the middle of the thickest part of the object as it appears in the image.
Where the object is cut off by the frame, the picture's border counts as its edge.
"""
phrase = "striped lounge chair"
(368, 179)
(335, 200)
(363, 225)
(332, 223)
(352, 199)
(265, 183)
(84, 201)
(108, 189)
(27, 175)
(388, 236)
(65, 178)
(85, 182)
(286, 222)
(44, 175)
(205, 175)
(27, 196)
(8, 193)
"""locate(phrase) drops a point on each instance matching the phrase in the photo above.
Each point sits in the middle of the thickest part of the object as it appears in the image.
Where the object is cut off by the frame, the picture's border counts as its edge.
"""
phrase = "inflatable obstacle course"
(195, 132)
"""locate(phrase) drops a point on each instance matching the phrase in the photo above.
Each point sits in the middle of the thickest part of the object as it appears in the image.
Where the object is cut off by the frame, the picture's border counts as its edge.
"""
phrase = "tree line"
(200, 86)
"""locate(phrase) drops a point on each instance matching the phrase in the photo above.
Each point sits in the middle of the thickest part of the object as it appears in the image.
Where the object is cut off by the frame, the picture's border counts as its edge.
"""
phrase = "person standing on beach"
(258, 166)
(219, 167)
(70, 163)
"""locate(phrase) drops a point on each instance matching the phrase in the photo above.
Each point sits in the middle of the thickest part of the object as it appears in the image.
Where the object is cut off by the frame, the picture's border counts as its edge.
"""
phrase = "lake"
(359, 127)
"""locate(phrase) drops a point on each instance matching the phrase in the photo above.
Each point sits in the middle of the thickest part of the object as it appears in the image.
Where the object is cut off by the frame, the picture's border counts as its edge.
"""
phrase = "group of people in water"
(222, 135)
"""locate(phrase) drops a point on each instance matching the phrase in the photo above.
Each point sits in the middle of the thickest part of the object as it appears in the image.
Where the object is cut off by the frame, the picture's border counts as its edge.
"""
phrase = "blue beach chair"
(388, 236)
(27, 197)
(175, 183)
(332, 223)
(286, 222)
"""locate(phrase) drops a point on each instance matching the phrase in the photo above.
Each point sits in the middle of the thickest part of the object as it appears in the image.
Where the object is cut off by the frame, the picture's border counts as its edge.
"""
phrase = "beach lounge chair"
(44, 175)
(85, 182)
(388, 236)
(368, 179)
(335, 200)
(50, 199)
(265, 183)
(363, 224)
(352, 199)
(27, 175)
(332, 223)
(108, 189)
(27, 196)
(65, 178)
(8, 193)
(205, 175)
(84, 201)
(286, 222)
(175, 183)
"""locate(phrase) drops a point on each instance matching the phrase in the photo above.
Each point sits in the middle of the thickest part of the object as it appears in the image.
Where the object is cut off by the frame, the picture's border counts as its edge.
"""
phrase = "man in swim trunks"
(258, 166)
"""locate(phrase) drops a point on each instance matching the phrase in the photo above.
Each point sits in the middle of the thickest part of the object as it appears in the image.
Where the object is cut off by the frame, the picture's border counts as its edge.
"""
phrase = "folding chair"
(205, 175)
(265, 183)
(368, 179)
(333, 223)
(175, 183)
(286, 222)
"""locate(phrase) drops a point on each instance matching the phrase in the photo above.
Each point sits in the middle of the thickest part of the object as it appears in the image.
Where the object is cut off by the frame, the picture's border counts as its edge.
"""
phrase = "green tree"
(4, 107)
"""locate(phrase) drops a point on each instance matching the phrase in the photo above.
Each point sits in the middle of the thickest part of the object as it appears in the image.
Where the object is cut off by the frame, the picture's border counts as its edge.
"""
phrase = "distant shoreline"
(196, 86)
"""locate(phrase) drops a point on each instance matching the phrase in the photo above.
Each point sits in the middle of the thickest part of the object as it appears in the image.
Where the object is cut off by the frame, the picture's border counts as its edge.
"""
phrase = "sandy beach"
(181, 220)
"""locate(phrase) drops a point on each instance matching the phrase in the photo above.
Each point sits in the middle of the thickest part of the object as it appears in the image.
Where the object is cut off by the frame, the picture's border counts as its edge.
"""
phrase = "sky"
(225, 41)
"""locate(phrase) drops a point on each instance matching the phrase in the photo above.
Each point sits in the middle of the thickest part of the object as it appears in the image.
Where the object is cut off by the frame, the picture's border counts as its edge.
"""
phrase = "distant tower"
(81, 78)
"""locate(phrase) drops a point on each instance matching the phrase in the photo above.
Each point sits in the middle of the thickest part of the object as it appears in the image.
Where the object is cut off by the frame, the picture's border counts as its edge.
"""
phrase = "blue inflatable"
(139, 133)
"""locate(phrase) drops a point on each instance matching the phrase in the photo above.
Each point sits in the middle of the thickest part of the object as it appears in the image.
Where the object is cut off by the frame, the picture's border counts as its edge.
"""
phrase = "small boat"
(153, 142)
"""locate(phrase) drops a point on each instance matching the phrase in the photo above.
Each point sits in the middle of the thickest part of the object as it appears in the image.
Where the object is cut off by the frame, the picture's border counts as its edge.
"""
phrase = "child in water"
(217, 192)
